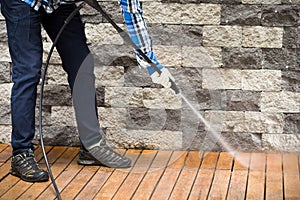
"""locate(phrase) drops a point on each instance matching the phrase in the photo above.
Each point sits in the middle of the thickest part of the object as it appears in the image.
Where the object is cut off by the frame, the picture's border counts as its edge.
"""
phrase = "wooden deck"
(162, 175)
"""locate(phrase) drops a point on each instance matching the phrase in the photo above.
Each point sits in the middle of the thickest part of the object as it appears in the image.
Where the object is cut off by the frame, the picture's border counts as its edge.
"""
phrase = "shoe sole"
(40, 179)
(95, 163)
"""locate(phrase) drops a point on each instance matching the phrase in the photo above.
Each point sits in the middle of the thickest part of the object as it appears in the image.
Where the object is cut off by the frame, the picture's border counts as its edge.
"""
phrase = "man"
(23, 21)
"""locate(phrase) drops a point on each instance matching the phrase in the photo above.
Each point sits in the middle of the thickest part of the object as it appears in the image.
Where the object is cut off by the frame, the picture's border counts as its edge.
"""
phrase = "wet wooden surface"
(176, 175)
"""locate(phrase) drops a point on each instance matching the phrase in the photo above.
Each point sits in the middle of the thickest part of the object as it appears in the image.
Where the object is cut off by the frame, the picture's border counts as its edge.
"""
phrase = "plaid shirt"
(136, 26)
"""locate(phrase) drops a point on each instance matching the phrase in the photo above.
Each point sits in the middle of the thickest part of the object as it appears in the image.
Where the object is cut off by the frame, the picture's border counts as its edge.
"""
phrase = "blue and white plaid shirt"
(135, 23)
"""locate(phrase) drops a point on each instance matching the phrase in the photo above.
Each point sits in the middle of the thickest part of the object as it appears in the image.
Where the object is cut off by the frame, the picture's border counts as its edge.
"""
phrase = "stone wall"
(236, 61)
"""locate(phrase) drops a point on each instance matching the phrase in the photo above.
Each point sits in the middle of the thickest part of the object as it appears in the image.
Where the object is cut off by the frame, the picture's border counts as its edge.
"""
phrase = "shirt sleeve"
(138, 31)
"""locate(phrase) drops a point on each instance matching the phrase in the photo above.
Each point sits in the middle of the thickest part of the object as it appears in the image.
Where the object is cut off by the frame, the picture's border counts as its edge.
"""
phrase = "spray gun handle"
(174, 87)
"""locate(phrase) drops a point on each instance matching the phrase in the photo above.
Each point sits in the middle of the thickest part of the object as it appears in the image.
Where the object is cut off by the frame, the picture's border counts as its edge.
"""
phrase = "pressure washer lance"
(126, 38)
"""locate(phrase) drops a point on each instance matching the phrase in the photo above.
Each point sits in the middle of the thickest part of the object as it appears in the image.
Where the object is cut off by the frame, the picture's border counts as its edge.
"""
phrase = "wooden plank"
(62, 180)
(241, 161)
(5, 154)
(225, 161)
(274, 187)
(291, 176)
(258, 162)
(2, 147)
(95, 184)
(256, 180)
(22, 186)
(220, 185)
(115, 180)
(205, 176)
(136, 175)
(202, 184)
(187, 176)
(238, 185)
(36, 189)
(153, 175)
(169, 178)
(78, 182)
(209, 160)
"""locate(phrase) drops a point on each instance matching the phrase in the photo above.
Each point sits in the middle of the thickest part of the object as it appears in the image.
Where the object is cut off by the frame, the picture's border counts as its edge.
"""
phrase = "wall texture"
(236, 61)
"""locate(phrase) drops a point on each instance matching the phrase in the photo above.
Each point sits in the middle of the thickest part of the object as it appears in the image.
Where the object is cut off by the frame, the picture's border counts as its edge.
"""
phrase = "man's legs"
(25, 45)
(79, 65)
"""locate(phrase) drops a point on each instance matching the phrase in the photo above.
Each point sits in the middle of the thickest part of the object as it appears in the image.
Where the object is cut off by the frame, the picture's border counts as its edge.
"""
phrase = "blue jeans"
(25, 46)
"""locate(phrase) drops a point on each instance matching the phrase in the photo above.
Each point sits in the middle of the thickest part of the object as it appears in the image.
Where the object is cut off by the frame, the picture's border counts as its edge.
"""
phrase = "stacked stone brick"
(236, 61)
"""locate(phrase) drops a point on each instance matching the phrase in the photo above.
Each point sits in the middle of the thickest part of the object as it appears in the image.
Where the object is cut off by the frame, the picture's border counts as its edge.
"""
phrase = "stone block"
(5, 134)
(291, 81)
(56, 75)
(5, 74)
(242, 58)
(63, 116)
(291, 37)
(261, 80)
(109, 76)
(241, 100)
(222, 79)
(249, 15)
(280, 102)
(263, 122)
(281, 59)
(216, 54)
(60, 136)
(245, 122)
(112, 117)
(5, 114)
(136, 77)
(176, 34)
(144, 139)
(281, 142)
(160, 98)
(290, 1)
(222, 36)
(204, 14)
(168, 13)
(175, 13)
(230, 142)
(153, 119)
(188, 79)
(100, 95)
(123, 97)
(3, 33)
(261, 1)
(280, 15)
(5, 91)
(168, 55)
(292, 123)
(102, 33)
(57, 95)
(210, 99)
(264, 37)
(5, 56)
(113, 55)
(199, 57)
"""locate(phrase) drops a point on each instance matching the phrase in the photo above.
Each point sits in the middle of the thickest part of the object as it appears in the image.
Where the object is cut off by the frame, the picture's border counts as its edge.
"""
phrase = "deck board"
(161, 175)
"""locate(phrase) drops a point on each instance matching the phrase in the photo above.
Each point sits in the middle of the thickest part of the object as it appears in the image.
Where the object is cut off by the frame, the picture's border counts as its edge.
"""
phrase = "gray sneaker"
(103, 155)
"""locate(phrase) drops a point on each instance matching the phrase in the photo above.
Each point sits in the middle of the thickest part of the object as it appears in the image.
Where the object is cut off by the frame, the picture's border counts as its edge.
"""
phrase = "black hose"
(69, 18)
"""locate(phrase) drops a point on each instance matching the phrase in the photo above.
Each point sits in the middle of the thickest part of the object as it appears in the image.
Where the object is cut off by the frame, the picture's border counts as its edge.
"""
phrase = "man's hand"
(163, 78)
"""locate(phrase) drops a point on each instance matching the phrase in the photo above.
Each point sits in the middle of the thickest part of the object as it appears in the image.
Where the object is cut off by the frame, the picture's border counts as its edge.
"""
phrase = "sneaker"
(24, 166)
(103, 155)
